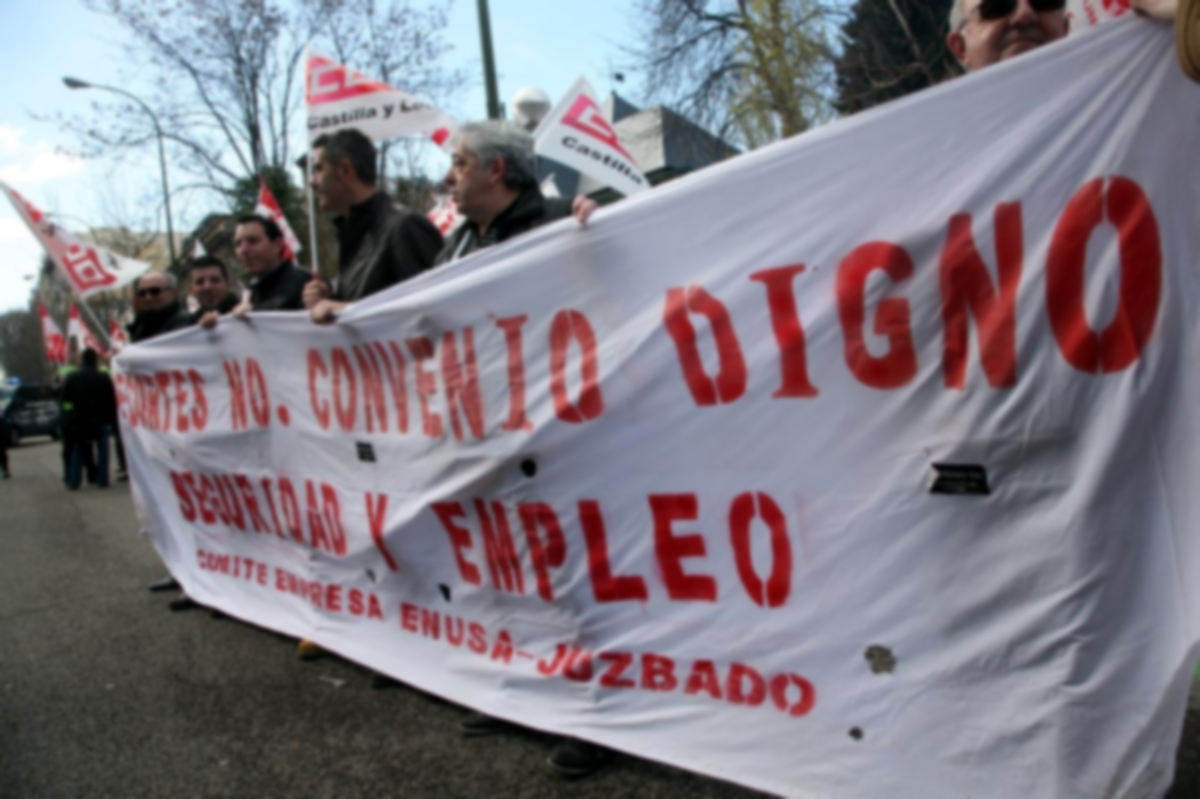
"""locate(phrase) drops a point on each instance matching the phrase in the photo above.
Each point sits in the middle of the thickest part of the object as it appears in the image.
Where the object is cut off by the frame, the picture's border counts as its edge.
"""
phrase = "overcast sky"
(543, 43)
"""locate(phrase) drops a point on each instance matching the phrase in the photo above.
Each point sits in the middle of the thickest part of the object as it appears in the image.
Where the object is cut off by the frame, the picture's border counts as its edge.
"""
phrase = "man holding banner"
(276, 283)
(380, 242)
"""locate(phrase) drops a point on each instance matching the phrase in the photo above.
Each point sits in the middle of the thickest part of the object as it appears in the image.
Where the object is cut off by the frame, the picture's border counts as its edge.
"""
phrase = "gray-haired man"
(493, 181)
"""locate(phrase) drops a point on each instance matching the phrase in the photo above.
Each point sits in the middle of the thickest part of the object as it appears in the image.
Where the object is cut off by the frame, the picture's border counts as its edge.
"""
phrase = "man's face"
(256, 252)
(153, 293)
(982, 41)
(328, 183)
(209, 287)
(469, 182)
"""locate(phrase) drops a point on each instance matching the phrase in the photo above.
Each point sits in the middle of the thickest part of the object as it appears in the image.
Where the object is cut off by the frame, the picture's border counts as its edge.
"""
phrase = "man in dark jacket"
(276, 283)
(89, 414)
(158, 311)
(209, 284)
(380, 242)
(493, 180)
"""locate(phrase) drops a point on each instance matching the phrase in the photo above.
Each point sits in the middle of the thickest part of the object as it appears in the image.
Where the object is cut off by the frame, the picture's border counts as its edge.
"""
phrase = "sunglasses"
(999, 9)
(153, 291)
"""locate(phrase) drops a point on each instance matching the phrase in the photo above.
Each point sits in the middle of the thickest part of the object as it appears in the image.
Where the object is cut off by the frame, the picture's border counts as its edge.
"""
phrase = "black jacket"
(227, 304)
(528, 211)
(89, 401)
(382, 243)
(149, 324)
(281, 289)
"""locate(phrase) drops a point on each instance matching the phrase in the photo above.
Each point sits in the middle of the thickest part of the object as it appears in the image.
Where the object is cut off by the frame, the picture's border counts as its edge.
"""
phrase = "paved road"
(104, 692)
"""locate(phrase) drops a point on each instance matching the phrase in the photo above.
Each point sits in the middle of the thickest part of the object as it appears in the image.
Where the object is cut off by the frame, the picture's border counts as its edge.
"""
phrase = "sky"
(542, 43)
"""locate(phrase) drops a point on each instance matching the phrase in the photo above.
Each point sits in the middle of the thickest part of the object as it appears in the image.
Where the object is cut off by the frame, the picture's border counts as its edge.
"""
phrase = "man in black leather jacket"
(158, 310)
(380, 242)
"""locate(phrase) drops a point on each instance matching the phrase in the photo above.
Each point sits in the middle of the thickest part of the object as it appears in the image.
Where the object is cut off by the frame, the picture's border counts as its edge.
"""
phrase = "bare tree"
(750, 70)
(225, 77)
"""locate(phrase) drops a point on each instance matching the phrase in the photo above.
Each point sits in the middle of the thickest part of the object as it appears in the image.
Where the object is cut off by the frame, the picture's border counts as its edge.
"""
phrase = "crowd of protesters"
(381, 243)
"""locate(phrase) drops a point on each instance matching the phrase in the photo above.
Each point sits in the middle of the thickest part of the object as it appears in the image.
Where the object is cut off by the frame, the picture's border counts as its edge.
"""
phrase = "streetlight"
(489, 61)
(76, 83)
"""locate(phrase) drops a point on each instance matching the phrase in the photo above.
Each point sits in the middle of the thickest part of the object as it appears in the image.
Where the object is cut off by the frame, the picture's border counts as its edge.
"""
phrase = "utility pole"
(489, 62)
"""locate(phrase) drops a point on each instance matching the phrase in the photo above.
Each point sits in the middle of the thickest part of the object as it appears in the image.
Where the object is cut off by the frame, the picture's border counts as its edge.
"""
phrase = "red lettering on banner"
(477, 638)
(502, 650)
(430, 623)
(503, 564)
(374, 405)
(548, 668)
(703, 677)
(331, 509)
(185, 500)
(422, 350)
(202, 500)
(291, 509)
(671, 549)
(266, 486)
(545, 555)
(789, 332)
(455, 630)
(376, 518)
(316, 523)
(200, 408)
(228, 494)
(345, 390)
(571, 326)
(396, 378)
(618, 664)
(182, 422)
(730, 382)
(260, 399)
(578, 665)
(605, 586)
(658, 673)
(967, 290)
(320, 407)
(745, 686)
(462, 385)
(460, 538)
(162, 388)
(237, 395)
(409, 617)
(745, 508)
(899, 366)
(1124, 204)
(248, 499)
(516, 372)
(780, 684)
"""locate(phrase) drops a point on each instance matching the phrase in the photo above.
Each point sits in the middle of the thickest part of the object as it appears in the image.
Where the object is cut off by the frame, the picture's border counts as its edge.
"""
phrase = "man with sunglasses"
(156, 299)
(986, 32)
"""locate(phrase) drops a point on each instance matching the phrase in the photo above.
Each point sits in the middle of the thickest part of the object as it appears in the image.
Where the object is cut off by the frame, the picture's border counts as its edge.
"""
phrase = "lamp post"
(76, 83)
(489, 61)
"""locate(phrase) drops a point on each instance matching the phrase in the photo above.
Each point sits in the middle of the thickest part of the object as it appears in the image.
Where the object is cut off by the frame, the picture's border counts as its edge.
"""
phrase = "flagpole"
(308, 189)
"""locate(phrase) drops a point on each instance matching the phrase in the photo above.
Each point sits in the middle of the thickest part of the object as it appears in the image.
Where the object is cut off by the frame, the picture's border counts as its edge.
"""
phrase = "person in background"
(159, 311)
(89, 413)
(210, 286)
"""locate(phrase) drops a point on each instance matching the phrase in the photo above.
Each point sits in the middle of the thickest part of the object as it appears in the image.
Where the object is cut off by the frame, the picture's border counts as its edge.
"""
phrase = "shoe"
(478, 725)
(183, 603)
(307, 650)
(167, 583)
(381, 682)
(573, 759)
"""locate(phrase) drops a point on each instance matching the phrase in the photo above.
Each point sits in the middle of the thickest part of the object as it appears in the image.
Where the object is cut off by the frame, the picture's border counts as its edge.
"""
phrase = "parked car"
(30, 410)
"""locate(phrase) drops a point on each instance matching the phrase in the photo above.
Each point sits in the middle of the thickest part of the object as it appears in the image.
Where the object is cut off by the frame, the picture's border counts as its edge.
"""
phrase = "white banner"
(1087, 13)
(577, 134)
(860, 465)
(88, 268)
(338, 97)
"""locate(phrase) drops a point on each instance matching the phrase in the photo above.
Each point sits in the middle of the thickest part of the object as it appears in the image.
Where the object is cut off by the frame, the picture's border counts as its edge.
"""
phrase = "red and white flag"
(445, 215)
(1086, 13)
(116, 336)
(78, 330)
(576, 133)
(338, 97)
(56, 343)
(268, 206)
(87, 267)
